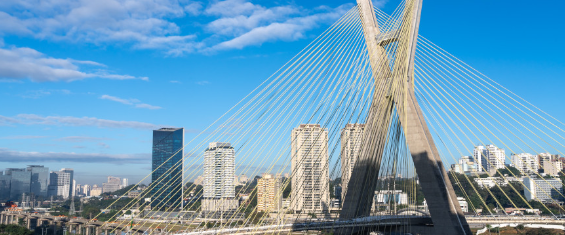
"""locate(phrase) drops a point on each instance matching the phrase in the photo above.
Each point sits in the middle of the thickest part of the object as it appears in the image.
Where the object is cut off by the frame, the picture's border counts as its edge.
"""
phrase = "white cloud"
(134, 102)
(23, 137)
(147, 106)
(77, 139)
(19, 63)
(119, 100)
(152, 24)
(36, 94)
(379, 3)
(140, 23)
(289, 30)
(202, 83)
(33, 119)
(8, 155)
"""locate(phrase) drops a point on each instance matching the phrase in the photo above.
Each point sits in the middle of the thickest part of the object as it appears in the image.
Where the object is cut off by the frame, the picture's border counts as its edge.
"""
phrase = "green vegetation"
(510, 195)
(509, 171)
(12, 229)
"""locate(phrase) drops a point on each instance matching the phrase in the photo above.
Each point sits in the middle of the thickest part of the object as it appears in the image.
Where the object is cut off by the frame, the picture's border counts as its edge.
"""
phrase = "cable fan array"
(329, 84)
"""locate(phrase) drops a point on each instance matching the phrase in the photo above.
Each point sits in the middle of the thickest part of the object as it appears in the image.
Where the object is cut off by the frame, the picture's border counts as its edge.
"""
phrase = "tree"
(510, 171)
(540, 231)
(12, 229)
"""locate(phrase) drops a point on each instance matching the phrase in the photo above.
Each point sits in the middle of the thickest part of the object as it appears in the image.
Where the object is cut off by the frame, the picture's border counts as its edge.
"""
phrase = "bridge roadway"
(367, 222)
(374, 222)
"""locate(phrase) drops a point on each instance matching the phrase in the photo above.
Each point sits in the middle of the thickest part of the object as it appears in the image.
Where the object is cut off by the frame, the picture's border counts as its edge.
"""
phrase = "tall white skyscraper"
(489, 158)
(310, 180)
(86, 190)
(125, 182)
(351, 137)
(525, 162)
(497, 157)
(219, 172)
(61, 183)
(480, 156)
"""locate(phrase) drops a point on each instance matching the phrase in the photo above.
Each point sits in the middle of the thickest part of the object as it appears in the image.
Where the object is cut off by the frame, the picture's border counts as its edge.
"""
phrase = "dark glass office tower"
(4, 186)
(20, 182)
(39, 179)
(167, 176)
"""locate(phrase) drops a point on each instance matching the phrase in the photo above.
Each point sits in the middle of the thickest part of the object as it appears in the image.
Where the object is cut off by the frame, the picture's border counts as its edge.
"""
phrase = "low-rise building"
(494, 181)
(543, 190)
(463, 203)
(134, 193)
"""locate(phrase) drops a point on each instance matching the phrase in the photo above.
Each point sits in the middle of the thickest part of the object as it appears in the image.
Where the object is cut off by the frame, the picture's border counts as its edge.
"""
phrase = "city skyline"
(91, 123)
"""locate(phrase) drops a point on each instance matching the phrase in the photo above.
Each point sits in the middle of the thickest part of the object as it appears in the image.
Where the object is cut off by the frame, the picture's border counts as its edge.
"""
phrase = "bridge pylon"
(394, 93)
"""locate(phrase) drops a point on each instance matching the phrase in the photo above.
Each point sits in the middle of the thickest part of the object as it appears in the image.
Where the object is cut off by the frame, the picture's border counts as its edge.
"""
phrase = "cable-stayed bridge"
(374, 109)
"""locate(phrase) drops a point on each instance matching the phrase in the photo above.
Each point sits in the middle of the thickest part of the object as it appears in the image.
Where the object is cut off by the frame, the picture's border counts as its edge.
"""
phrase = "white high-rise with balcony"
(351, 137)
(219, 172)
(61, 183)
(525, 162)
(269, 195)
(310, 180)
(489, 158)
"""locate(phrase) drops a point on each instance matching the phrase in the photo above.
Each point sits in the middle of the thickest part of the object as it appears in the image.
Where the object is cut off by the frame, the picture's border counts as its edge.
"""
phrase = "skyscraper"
(167, 166)
(489, 158)
(269, 196)
(39, 179)
(86, 190)
(310, 180)
(61, 183)
(20, 182)
(526, 163)
(113, 184)
(351, 138)
(4, 186)
(219, 172)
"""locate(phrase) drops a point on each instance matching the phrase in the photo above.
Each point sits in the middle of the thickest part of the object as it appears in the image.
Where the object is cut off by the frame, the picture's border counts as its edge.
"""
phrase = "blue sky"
(83, 83)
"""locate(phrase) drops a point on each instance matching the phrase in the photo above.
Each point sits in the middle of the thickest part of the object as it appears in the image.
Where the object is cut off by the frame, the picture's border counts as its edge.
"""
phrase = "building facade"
(543, 190)
(269, 195)
(526, 163)
(113, 184)
(5, 182)
(61, 183)
(39, 179)
(351, 138)
(95, 191)
(490, 182)
(167, 165)
(86, 190)
(20, 182)
(489, 158)
(310, 180)
(219, 173)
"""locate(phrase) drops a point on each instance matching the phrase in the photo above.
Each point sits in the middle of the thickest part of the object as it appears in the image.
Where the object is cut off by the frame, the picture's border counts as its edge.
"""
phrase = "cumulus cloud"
(153, 24)
(7, 155)
(33, 119)
(18, 63)
(133, 102)
(266, 25)
(144, 24)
